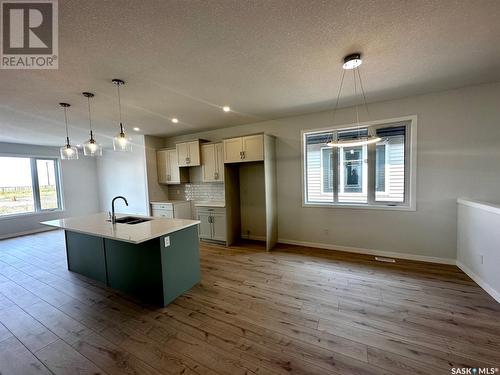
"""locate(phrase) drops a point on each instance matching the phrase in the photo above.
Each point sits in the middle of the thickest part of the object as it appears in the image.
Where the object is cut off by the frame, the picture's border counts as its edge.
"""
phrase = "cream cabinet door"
(233, 150)
(194, 153)
(182, 154)
(205, 227)
(218, 227)
(188, 154)
(219, 162)
(162, 166)
(173, 168)
(253, 147)
(209, 163)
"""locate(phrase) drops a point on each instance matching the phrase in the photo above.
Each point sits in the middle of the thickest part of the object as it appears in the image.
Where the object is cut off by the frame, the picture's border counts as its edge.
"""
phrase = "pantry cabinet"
(188, 153)
(212, 163)
(244, 149)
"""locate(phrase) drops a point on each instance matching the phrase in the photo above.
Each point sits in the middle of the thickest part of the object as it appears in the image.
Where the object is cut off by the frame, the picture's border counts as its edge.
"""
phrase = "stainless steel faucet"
(113, 216)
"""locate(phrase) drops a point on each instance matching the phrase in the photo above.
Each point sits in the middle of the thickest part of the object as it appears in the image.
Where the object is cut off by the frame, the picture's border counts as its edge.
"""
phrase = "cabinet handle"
(243, 153)
(168, 177)
(216, 176)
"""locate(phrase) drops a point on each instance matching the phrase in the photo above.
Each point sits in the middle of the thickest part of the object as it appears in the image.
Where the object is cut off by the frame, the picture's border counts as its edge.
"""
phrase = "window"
(29, 185)
(377, 175)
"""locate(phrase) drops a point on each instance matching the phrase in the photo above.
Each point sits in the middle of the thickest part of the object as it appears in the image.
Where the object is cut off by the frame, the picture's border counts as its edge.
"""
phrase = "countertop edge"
(47, 223)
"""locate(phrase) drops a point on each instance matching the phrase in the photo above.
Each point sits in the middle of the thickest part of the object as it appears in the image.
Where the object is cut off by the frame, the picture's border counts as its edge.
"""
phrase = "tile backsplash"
(197, 192)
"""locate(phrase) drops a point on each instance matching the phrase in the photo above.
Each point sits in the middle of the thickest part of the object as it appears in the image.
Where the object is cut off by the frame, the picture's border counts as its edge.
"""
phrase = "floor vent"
(387, 260)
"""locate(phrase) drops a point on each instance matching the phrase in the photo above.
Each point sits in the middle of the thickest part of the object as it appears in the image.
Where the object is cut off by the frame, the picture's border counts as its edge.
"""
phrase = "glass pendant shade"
(68, 152)
(92, 148)
(121, 142)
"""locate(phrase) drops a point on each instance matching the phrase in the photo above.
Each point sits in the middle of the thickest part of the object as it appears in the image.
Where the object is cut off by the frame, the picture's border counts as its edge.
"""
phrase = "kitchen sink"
(131, 220)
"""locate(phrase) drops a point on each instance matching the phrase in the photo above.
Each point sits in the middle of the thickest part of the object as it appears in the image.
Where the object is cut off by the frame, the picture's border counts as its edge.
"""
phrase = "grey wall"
(458, 155)
(124, 173)
(79, 188)
(156, 191)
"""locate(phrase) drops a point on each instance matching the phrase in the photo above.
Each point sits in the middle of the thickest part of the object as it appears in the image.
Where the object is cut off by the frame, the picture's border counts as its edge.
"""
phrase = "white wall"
(79, 189)
(478, 247)
(124, 173)
(458, 155)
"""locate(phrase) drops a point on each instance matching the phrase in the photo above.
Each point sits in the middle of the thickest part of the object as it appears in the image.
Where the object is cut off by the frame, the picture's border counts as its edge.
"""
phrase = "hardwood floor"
(294, 310)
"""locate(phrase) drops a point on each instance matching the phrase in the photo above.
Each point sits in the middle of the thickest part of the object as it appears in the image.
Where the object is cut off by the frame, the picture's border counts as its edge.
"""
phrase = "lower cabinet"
(212, 223)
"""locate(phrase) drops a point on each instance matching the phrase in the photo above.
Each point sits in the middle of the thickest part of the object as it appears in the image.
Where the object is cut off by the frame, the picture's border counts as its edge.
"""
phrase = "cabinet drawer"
(162, 206)
(168, 214)
(211, 210)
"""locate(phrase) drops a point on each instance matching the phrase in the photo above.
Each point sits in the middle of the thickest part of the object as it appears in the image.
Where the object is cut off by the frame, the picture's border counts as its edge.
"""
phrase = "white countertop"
(210, 204)
(97, 225)
(169, 202)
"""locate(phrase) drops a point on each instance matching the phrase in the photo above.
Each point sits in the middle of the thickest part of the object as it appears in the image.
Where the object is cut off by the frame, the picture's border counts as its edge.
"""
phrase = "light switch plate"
(167, 241)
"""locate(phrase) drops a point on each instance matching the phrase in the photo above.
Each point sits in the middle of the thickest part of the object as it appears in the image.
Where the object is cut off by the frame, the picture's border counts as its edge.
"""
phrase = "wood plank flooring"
(294, 310)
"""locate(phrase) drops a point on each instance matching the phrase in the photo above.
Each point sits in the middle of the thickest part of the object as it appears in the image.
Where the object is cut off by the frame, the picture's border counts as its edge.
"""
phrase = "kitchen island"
(154, 259)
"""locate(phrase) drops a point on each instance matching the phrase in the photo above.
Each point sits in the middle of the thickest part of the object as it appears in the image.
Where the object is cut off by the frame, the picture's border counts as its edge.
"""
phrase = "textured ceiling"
(266, 59)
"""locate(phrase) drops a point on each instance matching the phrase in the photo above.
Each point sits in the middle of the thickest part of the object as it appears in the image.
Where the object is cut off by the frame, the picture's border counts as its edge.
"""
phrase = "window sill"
(29, 214)
(359, 206)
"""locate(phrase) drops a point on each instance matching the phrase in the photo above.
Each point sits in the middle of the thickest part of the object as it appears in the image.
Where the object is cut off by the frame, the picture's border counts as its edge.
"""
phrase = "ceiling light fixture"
(120, 142)
(67, 151)
(226, 108)
(175, 120)
(137, 129)
(352, 62)
(91, 147)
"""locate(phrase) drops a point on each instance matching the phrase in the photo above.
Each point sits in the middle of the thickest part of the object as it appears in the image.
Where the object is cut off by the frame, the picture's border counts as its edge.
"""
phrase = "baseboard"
(253, 237)
(479, 281)
(26, 232)
(357, 250)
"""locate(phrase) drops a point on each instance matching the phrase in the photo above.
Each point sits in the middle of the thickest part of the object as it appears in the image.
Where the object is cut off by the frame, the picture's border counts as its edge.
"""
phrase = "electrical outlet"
(167, 241)
(325, 232)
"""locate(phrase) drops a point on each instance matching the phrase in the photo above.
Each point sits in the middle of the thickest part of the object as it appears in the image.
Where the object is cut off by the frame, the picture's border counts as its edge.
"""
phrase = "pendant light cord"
(119, 104)
(363, 93)
(356, 105)
(338, 99)
(90, 116)
(66, 122)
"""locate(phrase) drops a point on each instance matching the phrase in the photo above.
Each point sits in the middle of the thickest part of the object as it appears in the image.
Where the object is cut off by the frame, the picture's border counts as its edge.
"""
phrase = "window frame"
(410, 168)
(36, 188)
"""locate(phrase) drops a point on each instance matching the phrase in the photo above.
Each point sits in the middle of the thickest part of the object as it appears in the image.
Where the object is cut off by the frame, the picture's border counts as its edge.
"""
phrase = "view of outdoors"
(16, 185)
(47, 184)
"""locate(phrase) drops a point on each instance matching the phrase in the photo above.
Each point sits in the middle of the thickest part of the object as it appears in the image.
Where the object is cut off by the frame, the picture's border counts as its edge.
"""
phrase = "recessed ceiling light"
(137, 129)
(175, 120)
(226, 108)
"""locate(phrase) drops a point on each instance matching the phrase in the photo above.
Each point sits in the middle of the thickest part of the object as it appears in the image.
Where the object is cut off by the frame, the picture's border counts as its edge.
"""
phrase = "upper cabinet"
(212, 162)
(168, 168)
(188, 153)
(243, 149)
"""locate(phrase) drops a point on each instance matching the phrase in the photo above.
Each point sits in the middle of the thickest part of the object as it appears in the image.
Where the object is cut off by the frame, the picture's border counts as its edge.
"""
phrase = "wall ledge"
(357, 250)
(486, 206)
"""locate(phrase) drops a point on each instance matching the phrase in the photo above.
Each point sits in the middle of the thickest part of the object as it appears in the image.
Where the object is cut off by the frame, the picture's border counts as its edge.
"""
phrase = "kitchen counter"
(97, 225)
(156, 260)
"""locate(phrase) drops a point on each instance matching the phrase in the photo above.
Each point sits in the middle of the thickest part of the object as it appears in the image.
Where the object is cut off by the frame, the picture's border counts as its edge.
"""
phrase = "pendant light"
(91, 147)
(120, 142)
(352, 62)
(67, 151)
